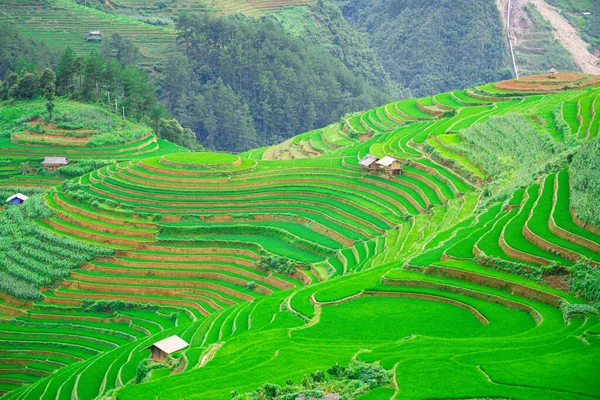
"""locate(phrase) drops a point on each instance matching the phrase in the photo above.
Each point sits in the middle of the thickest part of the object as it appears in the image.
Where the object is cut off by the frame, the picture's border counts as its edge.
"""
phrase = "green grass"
(204, 158)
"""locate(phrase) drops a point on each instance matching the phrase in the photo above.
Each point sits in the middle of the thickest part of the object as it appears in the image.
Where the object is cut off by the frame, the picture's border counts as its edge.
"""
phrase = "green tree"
(47, 79)
(116, 47)
(47, 83)
(93, 73)
(172, 131)
(65, 72)
(25, 167)
(26, 87)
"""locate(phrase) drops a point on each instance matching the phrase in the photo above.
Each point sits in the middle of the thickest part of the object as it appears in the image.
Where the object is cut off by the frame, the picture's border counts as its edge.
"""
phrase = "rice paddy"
(289, 259)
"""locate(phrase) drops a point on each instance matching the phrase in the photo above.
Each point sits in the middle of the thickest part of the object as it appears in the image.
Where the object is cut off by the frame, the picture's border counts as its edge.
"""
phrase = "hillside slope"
(85, 134)
(474, 264)
(544, 38)
(432, 46)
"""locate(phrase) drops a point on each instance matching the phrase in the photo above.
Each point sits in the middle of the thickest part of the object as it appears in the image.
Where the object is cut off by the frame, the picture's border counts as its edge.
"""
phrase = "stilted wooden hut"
(390, 165)
(162, 348)
(54, 163)
(368, 162)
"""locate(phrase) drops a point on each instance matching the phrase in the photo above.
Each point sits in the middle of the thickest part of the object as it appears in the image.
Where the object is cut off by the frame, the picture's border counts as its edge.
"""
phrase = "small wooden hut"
(17, 199)
(162, 348)
(93, 36)
(390, 165)
(54, 163)
(552, 73)
(368, 162)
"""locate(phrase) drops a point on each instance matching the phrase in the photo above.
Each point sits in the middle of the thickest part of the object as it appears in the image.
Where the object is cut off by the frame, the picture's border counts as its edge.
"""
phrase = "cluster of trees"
(27, 85)
(277, 264)
(347, 382)
(322, 23)
(244, 82)
(116, 305)
(433, 46)
(94, 78)
(18, 53)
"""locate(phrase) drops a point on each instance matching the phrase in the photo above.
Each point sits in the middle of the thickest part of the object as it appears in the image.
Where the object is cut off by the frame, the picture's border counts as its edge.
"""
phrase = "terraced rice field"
(422, 272)
(246, 7)
(62, 23)
(34, 140)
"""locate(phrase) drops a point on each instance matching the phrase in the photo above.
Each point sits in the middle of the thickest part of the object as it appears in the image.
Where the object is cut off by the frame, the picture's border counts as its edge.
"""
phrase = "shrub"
(349, 383)
(569, 310)
(585, 282)
(585, 182)
(83, 167)
(115, 305)
(277, 264)
(144, 368)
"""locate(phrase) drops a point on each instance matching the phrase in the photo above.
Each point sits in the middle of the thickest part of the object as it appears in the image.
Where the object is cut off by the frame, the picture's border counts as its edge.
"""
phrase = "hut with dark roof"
(368, 162)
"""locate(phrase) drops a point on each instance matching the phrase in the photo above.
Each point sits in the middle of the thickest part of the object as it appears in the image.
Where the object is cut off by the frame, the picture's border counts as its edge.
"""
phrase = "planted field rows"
(259, 260)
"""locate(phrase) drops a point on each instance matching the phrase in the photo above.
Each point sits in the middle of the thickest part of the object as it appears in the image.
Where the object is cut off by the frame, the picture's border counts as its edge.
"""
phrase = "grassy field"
(289, 259)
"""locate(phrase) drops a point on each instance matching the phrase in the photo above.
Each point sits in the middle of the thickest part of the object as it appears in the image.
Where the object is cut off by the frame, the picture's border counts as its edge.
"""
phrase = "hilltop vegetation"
(275, 84)
(361, 50)
(292, 259)
(90, 136)
(430, 46)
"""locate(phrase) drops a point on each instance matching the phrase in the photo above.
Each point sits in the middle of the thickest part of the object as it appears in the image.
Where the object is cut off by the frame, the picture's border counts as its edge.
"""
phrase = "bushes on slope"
(585, 282)
(510, 150)
(432, 46)
(277, 264)
(585, 183)
(349, 383)
(115, 305)
(83, 167)
(31, 256)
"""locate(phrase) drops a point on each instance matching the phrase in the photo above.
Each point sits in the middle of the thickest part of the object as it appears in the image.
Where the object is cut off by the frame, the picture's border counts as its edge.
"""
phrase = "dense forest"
(237, 82)
(322, 23)
(242, 82)
(432, 46)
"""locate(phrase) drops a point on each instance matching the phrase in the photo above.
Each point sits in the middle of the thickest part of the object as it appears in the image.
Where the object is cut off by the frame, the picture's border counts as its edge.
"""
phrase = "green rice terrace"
(78, 132)
(435, 248)
(62, 23)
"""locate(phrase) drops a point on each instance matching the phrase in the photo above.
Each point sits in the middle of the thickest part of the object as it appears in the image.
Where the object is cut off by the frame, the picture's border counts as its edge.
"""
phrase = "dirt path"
(506, 12)
(569, 38)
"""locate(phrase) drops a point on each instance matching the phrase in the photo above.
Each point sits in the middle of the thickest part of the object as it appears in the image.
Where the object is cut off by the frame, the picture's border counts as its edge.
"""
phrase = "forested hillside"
(276, 85)
(322, 23)
(431, 46)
